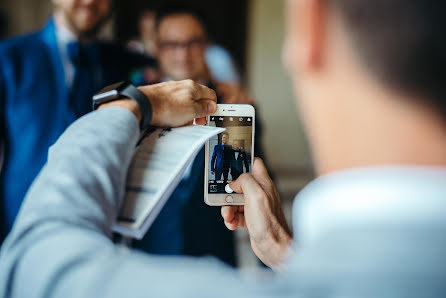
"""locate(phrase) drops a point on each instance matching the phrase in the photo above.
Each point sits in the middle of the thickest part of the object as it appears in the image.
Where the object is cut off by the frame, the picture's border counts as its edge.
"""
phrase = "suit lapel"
(58, 80)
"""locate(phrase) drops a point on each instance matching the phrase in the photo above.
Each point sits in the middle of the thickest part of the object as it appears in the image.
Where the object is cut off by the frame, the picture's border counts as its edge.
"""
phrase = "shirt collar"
(389, 195)
(64, 35)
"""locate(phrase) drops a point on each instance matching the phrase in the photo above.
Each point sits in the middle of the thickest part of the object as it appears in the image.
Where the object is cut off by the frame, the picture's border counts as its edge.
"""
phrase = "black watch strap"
(126, 89)
(143, 102)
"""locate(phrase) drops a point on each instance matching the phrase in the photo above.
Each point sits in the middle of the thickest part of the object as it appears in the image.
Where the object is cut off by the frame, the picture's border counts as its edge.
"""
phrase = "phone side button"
(229, 199)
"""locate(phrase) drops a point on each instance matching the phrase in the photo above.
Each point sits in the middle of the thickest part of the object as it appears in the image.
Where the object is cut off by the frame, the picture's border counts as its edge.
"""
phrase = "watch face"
(109, 93)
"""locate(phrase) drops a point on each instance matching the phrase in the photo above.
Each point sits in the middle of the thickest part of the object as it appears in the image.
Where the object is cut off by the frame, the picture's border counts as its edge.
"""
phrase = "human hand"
(262, 215)
(173, 103)
(177, 103)
(233, 94)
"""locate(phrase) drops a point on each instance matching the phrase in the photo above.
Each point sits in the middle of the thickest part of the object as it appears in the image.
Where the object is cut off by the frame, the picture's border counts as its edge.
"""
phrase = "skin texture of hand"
(262, 216)
(174, 103)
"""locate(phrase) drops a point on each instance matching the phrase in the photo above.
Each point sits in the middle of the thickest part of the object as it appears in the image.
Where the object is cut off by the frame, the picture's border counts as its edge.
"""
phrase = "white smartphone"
(229, 154)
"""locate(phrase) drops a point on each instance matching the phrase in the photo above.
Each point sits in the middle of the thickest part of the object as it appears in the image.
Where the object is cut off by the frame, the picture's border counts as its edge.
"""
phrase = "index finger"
(203, 92)
(259, 171)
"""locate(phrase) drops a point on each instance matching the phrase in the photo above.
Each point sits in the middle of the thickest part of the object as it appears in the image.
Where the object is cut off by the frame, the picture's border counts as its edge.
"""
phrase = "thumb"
(246, 183)
(204, 108)
(235, 186)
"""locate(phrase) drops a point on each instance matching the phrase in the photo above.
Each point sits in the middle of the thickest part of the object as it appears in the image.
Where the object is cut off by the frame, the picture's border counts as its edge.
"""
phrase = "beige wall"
(26, 15)
(285, 142)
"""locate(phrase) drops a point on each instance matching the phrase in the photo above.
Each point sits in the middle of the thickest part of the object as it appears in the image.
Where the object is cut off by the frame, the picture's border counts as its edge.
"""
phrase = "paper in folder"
(157, 167)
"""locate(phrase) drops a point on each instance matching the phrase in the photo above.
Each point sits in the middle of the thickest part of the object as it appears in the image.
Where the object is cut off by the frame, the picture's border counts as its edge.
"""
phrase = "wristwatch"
(121, 90)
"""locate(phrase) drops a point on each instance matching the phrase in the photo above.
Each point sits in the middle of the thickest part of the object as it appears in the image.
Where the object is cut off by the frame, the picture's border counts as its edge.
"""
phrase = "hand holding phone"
(230, 154)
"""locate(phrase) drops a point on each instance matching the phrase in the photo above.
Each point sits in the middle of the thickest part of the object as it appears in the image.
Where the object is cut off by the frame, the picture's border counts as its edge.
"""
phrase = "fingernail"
(212, 107)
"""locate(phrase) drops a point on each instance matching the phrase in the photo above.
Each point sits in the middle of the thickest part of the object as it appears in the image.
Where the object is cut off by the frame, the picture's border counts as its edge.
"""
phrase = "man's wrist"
(151, 93)
(126, 103)
(276, 249)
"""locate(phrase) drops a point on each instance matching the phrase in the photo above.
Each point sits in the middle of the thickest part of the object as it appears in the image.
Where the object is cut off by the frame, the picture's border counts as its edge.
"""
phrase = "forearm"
(74, 200)
(59, 246)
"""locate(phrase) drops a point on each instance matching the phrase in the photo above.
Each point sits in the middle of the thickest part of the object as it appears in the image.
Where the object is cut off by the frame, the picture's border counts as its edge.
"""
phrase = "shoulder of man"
(20, 52)
(21, 43)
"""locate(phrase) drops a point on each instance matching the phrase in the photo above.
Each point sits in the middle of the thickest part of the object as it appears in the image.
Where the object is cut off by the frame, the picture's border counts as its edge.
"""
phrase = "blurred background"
(252, 32)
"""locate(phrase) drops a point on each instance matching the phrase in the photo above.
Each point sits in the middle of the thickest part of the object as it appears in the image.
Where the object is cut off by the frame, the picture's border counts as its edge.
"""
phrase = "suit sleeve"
(214, 156)
(60, 244)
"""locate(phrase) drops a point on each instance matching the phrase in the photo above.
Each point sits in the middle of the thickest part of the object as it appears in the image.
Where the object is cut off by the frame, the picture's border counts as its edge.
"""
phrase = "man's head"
(182, 40)
(83, 17)
(224, 138)
(236, 144)
(369, 77)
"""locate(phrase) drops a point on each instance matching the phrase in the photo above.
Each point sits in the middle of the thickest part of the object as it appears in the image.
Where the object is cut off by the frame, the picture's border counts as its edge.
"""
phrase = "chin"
(87, 22)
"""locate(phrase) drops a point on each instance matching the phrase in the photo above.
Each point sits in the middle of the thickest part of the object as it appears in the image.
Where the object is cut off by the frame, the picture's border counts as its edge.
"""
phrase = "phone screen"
(230, 152)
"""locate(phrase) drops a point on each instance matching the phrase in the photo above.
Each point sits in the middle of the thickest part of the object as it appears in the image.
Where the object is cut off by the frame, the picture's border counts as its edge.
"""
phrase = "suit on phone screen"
(222, 159)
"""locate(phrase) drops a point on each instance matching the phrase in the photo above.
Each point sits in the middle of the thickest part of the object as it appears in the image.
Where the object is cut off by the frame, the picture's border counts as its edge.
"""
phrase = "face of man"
(181, 48)
(83, 17)
(224, 139)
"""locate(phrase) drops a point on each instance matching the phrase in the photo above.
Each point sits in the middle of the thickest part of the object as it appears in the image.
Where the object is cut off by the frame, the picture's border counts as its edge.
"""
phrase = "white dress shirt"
(64, 37)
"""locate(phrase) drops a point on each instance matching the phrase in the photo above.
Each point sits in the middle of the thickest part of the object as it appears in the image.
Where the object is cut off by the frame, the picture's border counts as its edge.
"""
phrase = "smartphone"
(229, 154)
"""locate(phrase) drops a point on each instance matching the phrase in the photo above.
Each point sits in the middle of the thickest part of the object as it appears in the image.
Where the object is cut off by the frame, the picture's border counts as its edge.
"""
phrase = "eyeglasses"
(193, 45)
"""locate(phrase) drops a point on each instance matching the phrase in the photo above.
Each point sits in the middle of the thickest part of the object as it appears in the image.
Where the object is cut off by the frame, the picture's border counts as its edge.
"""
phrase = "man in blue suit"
(47, 79)
(223, 157)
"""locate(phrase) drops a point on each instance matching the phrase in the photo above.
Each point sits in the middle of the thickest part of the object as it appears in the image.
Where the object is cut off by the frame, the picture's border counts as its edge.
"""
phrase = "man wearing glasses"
(193, 227)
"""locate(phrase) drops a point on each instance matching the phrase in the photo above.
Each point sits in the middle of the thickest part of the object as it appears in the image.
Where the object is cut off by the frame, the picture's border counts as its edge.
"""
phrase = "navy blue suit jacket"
(34, 108)
(217, 157)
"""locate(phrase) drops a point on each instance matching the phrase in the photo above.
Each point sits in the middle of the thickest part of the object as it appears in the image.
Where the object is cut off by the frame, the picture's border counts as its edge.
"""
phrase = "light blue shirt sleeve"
(60, 244)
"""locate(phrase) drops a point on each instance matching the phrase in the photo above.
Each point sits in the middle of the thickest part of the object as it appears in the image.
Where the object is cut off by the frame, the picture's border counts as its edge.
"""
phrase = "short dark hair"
(170, 10)
(402, 42)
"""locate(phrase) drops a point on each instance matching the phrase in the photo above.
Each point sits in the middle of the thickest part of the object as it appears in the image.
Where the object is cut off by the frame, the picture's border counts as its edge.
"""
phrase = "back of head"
(401, 42)
(370, 78)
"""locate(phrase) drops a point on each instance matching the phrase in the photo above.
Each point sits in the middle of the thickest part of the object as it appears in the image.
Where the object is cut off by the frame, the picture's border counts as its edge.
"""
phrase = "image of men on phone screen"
(230, 152)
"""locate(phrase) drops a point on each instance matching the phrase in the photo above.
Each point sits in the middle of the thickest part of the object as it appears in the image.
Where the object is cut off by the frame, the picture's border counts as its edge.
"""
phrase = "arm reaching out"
(60, 244)
(174, 104)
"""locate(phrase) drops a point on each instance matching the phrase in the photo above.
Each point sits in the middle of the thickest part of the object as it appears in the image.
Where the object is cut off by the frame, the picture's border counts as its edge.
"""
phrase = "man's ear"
(310, 23)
